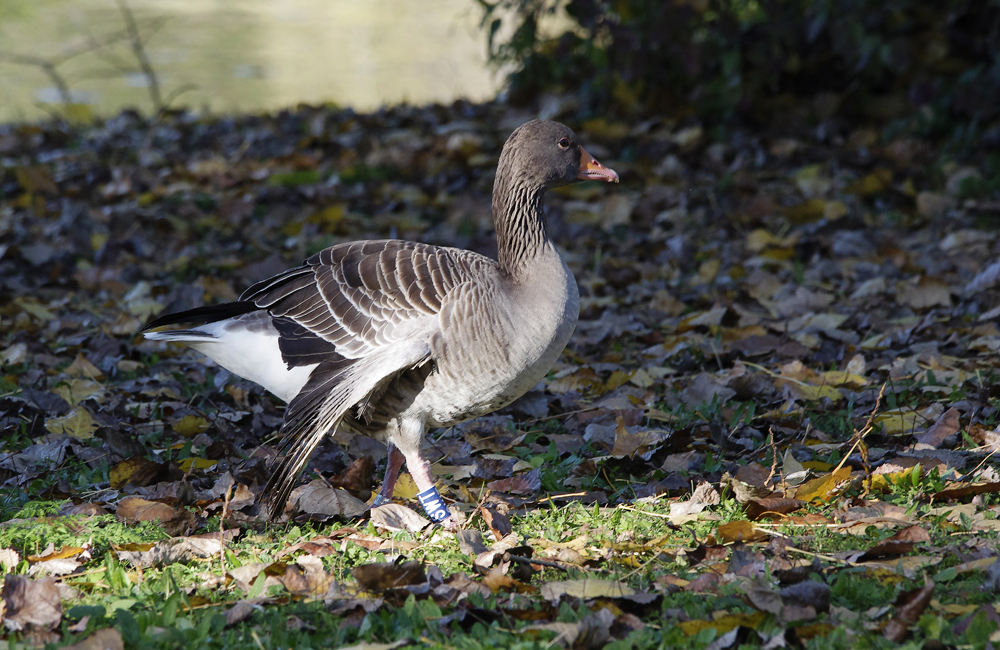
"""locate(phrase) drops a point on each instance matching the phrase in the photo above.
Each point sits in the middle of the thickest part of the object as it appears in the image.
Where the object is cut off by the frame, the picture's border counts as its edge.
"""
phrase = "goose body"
(388, 338)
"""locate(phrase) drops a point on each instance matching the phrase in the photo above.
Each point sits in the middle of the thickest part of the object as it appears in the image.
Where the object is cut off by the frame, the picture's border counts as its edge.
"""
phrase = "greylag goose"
(387, 338)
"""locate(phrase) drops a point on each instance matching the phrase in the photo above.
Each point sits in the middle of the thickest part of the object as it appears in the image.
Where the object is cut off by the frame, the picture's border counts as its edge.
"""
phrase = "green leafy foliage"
(923, 63)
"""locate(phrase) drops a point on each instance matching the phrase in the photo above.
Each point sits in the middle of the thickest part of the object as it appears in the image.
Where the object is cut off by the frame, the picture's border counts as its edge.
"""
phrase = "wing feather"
(333, 389)
(363, 296)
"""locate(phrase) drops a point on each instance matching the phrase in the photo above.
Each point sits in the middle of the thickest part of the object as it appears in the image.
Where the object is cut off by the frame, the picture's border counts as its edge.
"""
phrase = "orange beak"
(591, 170)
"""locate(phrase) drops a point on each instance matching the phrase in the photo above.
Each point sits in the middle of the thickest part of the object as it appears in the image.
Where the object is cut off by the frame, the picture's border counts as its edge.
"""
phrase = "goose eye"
(564, 143)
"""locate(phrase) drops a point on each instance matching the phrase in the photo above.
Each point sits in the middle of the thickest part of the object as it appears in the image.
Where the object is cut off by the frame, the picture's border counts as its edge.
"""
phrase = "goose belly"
(502, 355)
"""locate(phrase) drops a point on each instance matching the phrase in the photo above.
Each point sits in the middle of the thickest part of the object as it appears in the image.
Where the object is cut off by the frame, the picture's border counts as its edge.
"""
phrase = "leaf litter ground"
(775, 425)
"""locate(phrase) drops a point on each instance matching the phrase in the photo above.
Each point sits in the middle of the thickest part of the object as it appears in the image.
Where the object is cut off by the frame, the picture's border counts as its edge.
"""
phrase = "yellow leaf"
(329, 218)
(75, 391)
(807, 211)
(405, 488)
(617, 379)
(197, 463)
(814, 630)
(842, 378)
(875, 182)
(137, 470)
(77, 113)
(808, 392)
(35, 179)
(739, 531)
(724, 623)
(63, 553)
(642, 378)
(77, 423)
(82, 367)
(601, 128)
(586, 589)
(191, 425)
(708, 270)
(834, 210)
(34, 308)
(760, 239)
(98, 240)
(823, 487)
(884, 482)
(899, 421)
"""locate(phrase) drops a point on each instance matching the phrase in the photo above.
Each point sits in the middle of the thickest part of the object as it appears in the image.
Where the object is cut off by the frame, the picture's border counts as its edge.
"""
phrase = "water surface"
(248, 55)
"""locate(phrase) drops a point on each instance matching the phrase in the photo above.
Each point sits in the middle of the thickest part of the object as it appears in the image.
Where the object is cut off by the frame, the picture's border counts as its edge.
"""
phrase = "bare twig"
(150, 28)
(774, 458)
(47, 66)
(859, 436)
(139, 50)
(549, 563)
(222, 532)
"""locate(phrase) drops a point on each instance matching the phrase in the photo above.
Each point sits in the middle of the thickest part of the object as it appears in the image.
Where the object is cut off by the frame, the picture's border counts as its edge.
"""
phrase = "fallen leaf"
(191, 425)
(30, 603)
(177, 550)
(394, 517)
(723, 623)
(739, 531)
(823, 488)
(383, 577)
(317, 498)
(945, 426)
(105, 639)
(139, 471)
(585, 589)
(79, 423)
(909, 606)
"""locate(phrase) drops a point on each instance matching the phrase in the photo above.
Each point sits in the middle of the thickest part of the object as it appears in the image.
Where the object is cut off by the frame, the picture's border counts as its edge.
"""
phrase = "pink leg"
(392, 466)
(428, 495)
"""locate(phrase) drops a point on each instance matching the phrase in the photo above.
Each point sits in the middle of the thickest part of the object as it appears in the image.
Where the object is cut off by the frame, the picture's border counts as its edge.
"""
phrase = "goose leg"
(392, 466)
(410, 434)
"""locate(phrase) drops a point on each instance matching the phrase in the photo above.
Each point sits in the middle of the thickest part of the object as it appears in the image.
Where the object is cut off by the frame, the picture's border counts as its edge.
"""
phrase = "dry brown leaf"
(585, 589)
(394, 517)
(909, 607)
(757, 509)
(945, 426)
(134, 509)
(522, 484)
(177, 550)
(191, 425)
(78, 423)
(383, 577)
(723, 623)
(317, 498)
(825, 487)
(30, 603)
(139, 471)
(963, 490)
(82, 367)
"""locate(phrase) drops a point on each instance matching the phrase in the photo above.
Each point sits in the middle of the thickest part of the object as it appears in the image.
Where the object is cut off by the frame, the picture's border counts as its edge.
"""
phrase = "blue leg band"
(380, 501)
(433, 505)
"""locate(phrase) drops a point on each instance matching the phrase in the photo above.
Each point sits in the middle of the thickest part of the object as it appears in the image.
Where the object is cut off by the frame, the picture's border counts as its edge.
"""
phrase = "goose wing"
(365, 312)
(362, 298)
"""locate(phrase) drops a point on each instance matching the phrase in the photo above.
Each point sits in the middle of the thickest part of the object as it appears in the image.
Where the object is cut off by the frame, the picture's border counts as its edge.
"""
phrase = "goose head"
(543, 154)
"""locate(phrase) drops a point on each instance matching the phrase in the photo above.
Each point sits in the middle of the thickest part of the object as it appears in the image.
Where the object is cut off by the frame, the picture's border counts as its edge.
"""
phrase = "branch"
(140, 54)
(48, 67)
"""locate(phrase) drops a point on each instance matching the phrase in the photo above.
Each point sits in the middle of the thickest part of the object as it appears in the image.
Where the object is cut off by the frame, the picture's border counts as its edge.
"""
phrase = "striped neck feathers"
(517, 217)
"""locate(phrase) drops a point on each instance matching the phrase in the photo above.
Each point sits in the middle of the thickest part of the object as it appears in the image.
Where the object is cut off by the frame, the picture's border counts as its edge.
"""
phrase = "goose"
(389, 338)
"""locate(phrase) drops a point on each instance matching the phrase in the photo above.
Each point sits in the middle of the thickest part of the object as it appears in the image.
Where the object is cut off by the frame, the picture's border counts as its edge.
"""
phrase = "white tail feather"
(251, 354)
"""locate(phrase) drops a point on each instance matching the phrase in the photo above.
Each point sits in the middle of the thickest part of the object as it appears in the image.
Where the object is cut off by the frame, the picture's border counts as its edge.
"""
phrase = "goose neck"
(517, 217)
